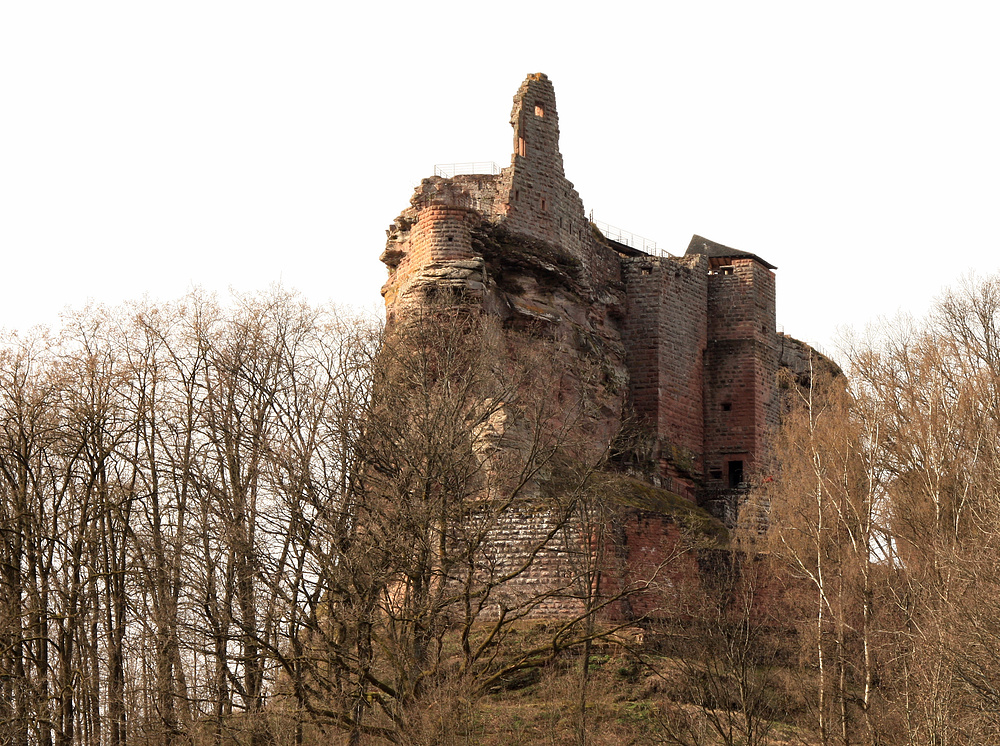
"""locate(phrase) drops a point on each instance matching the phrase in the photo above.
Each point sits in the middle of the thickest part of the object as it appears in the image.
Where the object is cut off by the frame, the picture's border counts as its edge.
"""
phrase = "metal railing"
(780, 329)
(628, 238)
(448, 170)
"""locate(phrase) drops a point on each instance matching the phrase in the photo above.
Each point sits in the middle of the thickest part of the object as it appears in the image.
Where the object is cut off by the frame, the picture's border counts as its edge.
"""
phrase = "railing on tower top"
(629, 239)
(635, 241)
(448, 170)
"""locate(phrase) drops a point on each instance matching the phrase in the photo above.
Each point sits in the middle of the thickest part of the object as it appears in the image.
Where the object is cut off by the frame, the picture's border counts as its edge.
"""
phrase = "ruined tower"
(538, 201)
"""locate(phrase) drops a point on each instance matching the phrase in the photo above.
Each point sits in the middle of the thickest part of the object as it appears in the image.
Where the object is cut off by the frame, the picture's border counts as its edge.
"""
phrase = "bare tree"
(886, 507)
(725, 651)
(26, 431)
(825, 516)
(270, 521)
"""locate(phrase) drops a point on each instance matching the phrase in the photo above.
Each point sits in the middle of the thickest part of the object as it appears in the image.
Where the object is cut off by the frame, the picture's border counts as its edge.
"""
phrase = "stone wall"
(552, 587)
(665, 335)
(650, 568)
(538, 201)
(740, 369)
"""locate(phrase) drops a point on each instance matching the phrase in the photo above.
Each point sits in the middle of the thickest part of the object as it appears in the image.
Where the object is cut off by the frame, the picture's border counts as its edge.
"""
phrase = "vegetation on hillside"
(276, 524)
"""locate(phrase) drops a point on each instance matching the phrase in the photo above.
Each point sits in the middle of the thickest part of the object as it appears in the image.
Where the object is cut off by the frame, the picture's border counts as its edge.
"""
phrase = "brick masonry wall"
(648, 568)
(552, 586)
(740, 369)
(683, 331)
(429, 246)
(665, 336)
(653, 567)
(643, 293)
(482, 192)
(536, 199)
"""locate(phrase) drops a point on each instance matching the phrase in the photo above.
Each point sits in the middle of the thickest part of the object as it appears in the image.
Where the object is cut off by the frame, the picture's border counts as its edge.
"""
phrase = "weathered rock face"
(798, 362)
(684, 346)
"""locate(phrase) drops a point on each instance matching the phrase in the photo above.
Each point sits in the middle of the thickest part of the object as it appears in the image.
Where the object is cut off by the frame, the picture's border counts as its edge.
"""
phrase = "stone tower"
(538, 201)
(741, 365)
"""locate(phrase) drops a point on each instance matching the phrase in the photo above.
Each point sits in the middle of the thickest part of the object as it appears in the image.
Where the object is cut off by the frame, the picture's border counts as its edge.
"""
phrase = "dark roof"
(715, 250)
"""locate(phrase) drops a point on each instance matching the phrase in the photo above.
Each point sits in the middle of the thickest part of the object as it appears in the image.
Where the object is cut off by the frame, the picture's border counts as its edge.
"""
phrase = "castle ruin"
(687, 344)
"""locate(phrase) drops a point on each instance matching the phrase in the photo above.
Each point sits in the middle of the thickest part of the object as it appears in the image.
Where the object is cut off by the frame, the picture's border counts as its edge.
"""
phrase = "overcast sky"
(146, 148)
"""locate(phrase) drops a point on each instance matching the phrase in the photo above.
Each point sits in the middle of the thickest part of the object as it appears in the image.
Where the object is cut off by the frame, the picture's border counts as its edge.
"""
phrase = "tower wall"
(429, 246)
(740, 369)
(665, 335)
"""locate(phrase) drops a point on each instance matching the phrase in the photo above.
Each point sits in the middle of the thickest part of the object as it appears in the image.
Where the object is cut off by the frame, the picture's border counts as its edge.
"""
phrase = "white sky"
(147, 148)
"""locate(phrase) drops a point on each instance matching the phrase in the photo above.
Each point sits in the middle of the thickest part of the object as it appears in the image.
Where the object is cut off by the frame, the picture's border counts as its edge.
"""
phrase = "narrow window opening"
(715, 473)
(543, 204)
(727, 270)
(727, 406)
(521, 149)
(517, 193)
(647, 270)
(735, 474)
(539, 110)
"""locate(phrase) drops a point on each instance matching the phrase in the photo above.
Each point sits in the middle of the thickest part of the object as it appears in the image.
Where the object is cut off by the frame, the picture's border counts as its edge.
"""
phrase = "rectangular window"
(521, 149)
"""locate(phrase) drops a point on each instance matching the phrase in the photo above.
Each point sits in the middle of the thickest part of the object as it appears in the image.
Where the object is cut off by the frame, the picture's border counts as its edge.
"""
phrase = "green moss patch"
(634, 493)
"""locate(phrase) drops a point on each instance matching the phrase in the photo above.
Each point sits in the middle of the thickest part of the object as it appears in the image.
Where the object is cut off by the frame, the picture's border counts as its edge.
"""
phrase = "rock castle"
(687, 345)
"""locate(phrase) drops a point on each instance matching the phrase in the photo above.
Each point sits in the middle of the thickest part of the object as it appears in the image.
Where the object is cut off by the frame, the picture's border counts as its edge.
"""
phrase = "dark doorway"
(735, 474)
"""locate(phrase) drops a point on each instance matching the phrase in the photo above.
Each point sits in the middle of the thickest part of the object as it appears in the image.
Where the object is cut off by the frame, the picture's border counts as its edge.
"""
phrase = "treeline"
(272, 523)
(887, 512)
(161, 469)
(267, 522)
